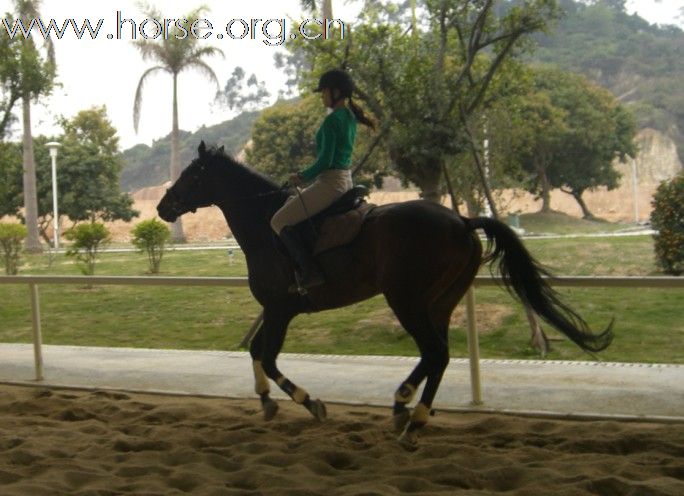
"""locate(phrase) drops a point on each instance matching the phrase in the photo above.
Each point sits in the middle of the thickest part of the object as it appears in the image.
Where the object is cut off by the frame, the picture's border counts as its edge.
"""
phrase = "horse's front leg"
(261, 385)
(273, 337)
(270, 339)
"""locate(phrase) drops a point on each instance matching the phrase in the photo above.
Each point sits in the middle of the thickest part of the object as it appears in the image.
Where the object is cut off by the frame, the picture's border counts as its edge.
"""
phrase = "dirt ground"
(60, 442)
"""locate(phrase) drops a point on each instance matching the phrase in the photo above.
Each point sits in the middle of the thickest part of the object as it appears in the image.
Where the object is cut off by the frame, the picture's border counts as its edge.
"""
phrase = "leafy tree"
(588, 159)
(575, 131)
(499, 129)
(425, 88)
(87, 240)
(173, 54)
(238, 93)
(10, 89)
(10, 179)
(282, 137)
(151, 236)
(668, 219)
(11, 238)
(33, 75)
(535, 131)
(89, 166)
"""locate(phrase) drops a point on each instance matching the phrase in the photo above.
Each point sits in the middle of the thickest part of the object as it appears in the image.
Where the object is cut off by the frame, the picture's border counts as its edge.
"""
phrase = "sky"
(106, 71)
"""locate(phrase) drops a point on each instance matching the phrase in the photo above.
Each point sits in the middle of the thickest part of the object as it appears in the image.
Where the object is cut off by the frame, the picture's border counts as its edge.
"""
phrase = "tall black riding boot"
(310, 274)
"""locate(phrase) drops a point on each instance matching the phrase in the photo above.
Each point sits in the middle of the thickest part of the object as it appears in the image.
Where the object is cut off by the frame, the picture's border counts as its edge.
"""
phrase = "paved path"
(576, 388)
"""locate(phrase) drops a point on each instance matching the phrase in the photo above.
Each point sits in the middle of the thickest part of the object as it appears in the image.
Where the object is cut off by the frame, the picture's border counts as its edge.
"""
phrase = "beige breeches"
(328, 187)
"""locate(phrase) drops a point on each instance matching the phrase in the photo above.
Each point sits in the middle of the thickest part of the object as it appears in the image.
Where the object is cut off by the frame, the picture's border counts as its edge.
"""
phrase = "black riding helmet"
(336, 79)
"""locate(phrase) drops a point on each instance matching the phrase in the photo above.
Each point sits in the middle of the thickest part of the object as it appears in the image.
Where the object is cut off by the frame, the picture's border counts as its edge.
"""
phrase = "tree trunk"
(586, 214)
(326, 9)
(545, 188)
(430, 191)
(30, 196)
(177, 234)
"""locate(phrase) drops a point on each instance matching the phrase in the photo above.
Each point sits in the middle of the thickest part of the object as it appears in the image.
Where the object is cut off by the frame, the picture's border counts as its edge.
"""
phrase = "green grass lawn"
(649, 323)
(560, 223)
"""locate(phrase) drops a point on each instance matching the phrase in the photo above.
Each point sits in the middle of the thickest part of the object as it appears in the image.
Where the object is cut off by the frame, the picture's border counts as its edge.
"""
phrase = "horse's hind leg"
(434, 358)
(272, 336)
(404, 395)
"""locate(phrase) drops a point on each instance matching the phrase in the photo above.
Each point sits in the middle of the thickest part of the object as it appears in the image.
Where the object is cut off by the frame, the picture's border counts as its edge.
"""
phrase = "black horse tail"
(523, 276)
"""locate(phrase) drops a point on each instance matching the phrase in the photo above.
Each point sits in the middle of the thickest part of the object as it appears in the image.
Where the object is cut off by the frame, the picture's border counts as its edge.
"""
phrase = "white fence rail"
(473, 347)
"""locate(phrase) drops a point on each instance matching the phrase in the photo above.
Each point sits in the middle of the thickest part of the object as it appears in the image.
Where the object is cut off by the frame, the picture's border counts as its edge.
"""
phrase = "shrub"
(11, 238)
(668, 219)
(151, 236)
(87, 239)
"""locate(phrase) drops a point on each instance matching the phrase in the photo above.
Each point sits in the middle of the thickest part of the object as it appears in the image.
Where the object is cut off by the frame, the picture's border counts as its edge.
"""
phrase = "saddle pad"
(341, 229)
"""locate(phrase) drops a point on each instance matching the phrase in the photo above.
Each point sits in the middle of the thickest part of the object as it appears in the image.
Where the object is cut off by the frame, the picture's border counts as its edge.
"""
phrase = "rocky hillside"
(640, 63)
(149, 165)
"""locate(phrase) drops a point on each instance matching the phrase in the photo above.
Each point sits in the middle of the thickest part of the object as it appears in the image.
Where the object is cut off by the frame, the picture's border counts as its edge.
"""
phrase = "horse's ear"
(222, 150)
(202, 149)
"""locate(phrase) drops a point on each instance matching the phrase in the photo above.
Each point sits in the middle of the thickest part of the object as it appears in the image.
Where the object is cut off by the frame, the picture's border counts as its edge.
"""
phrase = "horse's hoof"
(400, 420)
(318, 410)
(409, 441)
(270, 408)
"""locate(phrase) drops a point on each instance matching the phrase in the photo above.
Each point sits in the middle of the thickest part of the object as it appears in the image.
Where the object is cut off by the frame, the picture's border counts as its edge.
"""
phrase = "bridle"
(179, 207)
(176, 205)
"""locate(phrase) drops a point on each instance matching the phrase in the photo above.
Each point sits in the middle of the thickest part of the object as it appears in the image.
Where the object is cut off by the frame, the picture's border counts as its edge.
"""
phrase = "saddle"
(338, 224)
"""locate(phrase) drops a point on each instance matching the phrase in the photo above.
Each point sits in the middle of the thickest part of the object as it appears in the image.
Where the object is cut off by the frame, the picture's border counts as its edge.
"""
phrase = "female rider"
(330, 172)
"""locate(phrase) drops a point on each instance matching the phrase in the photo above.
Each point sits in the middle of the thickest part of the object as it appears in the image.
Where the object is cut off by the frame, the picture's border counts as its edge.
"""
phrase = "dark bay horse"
(421, 256)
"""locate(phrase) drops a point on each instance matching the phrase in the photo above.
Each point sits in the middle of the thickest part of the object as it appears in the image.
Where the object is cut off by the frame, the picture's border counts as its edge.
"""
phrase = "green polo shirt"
(334, 143)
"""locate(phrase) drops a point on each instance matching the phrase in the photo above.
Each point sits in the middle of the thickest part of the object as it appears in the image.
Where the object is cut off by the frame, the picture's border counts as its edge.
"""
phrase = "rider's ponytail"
(360, 115)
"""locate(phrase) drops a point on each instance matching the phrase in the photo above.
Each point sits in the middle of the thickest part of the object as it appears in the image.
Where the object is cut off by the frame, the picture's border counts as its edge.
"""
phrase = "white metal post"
(473, 349)
(53, 146)
(37, 334)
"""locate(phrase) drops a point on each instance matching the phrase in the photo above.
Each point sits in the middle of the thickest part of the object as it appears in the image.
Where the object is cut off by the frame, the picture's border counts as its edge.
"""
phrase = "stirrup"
(299, 288)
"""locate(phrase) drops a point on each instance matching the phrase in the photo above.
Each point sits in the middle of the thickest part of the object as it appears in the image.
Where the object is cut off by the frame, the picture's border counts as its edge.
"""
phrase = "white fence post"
(473, 350)
(37, 335)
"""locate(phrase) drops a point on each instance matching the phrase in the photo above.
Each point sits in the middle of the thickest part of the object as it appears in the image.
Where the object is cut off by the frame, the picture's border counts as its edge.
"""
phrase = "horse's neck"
(250, 231)
(248, 215)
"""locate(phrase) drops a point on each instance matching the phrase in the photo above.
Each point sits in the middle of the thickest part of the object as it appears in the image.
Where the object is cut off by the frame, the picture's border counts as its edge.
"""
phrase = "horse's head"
(192, 190)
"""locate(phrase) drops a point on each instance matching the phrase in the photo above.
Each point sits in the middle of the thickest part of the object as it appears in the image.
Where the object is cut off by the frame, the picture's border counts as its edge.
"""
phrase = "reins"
(258, 195)
(306, 211)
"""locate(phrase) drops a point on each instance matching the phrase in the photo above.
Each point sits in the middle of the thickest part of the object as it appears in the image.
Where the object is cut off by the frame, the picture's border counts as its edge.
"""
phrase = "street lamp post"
(53, 146)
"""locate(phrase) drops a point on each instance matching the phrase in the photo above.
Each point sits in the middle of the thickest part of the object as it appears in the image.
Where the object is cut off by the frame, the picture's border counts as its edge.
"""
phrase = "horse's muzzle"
(166, 214)
(169, 209)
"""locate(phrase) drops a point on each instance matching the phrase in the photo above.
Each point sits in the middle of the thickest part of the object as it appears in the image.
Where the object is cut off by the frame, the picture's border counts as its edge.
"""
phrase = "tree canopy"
(88, 170)
(424, 87)
(568, 133)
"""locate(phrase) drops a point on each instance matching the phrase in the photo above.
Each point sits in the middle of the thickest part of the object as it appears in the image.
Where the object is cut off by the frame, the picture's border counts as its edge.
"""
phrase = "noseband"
(176, 205)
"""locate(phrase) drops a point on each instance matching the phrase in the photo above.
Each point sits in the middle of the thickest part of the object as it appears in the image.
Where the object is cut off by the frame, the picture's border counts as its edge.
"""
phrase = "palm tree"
(173, 55)
(326, 7)
(37, 75)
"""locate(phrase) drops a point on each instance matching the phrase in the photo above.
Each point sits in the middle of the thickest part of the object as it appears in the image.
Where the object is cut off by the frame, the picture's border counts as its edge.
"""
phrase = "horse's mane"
(250, 178)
